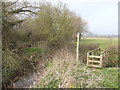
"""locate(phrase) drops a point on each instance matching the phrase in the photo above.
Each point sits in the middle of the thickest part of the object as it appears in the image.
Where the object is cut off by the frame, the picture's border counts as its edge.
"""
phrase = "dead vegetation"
(65, 72)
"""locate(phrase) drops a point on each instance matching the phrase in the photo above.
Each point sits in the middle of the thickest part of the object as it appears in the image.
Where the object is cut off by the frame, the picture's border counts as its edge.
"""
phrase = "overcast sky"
(101, 15)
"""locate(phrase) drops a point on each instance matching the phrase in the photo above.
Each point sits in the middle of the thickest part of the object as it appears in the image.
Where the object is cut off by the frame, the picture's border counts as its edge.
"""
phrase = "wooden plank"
(103, 52)
(93, 50)
(94, 65)
(87, 59)
(94, 56)
(93, 61)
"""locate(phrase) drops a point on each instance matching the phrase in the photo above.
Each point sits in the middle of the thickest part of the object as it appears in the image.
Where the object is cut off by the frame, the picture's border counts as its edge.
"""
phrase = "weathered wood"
(92, 56)
(91, 59)
(87, 59)
(101, 60)
(93, 50)
(94, 65)
(94, 61)
(77, 50)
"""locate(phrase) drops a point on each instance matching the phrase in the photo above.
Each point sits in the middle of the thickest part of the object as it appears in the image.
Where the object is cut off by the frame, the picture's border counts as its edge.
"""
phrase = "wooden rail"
(94, 60)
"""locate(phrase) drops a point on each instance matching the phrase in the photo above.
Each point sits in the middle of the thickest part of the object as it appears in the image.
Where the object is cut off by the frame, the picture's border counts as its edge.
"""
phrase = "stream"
(25, 81)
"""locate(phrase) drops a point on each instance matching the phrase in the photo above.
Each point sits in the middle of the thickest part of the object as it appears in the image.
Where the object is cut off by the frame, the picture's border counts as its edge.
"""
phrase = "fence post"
(77, 50)
(87, 59)
(101, 60)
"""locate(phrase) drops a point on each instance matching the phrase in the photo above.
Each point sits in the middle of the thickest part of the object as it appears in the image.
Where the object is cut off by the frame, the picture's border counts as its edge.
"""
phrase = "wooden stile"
(95, 60)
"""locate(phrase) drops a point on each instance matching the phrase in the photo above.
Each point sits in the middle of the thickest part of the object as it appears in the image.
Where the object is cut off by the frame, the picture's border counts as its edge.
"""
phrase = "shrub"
(32, 50)
(111, 59)
(84, 48)
(55, 24)
(13, 66)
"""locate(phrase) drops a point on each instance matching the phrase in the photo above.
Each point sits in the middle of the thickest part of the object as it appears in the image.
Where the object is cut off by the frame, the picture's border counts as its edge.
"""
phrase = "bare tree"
(10, 18)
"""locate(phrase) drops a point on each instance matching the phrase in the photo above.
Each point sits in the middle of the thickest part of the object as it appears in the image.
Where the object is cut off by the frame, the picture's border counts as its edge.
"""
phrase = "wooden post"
(87, 59)
(101, 60)
(77, 50)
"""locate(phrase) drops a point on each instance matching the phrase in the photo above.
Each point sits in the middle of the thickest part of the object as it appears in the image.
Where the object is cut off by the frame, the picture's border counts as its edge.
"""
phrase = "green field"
(103, 42)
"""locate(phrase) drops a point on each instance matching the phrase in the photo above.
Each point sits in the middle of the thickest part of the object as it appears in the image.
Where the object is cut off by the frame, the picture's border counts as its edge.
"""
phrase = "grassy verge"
(110, 78)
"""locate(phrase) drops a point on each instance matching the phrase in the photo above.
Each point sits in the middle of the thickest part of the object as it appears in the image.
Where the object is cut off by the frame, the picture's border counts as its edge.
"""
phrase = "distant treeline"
(90, 35)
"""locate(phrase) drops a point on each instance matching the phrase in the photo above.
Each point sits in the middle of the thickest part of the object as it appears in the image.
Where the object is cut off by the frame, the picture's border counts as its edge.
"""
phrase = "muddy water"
(30, 80)
(25, 82)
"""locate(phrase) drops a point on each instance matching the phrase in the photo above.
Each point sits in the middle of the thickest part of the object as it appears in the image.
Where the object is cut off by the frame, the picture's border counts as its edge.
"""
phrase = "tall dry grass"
(60, 71)
(66, 72)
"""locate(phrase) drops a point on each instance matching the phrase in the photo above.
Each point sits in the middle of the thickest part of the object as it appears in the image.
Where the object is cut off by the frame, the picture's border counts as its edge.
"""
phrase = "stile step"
(94, 65)
(91, 56)
(93, 61)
